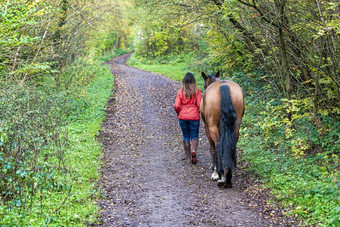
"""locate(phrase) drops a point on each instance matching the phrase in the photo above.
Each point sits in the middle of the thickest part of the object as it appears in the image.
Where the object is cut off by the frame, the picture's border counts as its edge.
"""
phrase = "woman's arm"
(178, 102)
(198, 98)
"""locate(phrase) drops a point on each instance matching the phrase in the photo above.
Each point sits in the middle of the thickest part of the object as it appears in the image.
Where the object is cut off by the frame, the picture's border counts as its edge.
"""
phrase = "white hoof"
(222, 180)
(214, 176)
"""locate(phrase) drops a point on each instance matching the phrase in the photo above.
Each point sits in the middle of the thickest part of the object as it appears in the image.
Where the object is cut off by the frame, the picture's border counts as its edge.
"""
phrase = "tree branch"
(260, 12)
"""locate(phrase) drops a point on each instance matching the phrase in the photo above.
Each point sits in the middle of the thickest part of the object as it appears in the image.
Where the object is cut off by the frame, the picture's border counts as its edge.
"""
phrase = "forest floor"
(146, 182)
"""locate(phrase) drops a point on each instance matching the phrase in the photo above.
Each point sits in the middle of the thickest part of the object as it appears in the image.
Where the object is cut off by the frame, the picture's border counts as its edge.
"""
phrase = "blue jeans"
(189, 129)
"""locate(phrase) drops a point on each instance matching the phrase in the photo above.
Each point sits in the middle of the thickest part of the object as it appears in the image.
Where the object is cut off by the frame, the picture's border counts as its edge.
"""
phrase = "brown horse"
(222, 109)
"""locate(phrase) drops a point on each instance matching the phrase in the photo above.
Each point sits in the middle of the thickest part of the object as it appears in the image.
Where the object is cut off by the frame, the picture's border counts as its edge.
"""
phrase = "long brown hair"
(189, 85)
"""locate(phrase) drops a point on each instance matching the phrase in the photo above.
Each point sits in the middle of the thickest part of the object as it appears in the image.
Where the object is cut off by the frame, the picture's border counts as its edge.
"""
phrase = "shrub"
(32, 144)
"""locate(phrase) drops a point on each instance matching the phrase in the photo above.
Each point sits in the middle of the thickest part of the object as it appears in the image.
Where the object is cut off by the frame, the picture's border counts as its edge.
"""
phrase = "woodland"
(53, 86)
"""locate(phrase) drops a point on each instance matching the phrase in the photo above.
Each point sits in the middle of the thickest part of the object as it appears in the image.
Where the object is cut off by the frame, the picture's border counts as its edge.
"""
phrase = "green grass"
(85, 151)
(175, 72)
(174, 67)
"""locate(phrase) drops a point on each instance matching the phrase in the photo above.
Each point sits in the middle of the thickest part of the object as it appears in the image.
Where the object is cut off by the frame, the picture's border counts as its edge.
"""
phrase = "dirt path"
(145, 181)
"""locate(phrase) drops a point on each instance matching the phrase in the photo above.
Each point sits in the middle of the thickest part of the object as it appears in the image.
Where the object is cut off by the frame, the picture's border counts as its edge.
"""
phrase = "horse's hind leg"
(221, 178)
(229, 175)
(213, 142)
(214, 175)
(225, 182)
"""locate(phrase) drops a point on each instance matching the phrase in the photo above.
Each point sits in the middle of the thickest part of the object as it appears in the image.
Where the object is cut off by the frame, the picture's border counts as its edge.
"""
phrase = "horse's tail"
(228, 122)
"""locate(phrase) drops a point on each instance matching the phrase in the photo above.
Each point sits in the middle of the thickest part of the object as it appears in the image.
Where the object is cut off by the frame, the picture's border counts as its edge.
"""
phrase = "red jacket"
(188, 109)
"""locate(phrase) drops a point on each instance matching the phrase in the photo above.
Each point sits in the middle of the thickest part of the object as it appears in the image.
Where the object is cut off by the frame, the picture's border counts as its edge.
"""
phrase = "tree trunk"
(283, 52)
(57, 38)
(62, 20)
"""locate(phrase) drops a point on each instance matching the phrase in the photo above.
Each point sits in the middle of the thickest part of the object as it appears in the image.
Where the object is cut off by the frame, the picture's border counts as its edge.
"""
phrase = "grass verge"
(58, 185)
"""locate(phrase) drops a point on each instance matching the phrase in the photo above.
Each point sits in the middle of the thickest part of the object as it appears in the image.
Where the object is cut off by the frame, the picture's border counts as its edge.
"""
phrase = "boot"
(186, 145)
(194, 145)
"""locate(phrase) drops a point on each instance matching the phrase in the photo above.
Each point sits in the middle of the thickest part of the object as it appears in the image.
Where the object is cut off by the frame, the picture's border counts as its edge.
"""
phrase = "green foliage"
(294, 42)
(103, 42)
(19, 44)
(38, 38)
(224, 53)
(163, 33)
(30, 123)
(49, 154)
(114, 29)
(296, 156)
(51, 106)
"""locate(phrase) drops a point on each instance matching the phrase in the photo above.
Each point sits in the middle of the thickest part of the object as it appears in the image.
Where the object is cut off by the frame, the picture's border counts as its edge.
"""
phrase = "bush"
(31, 133)
(49, 155)
(33, 143)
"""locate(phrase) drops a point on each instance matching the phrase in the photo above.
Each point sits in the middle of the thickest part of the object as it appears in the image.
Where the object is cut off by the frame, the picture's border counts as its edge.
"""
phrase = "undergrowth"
(297, 157)
(49, 155)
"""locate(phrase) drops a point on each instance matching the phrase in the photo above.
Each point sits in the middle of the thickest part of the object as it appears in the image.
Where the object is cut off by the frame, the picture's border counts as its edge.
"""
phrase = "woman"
(187, 105)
